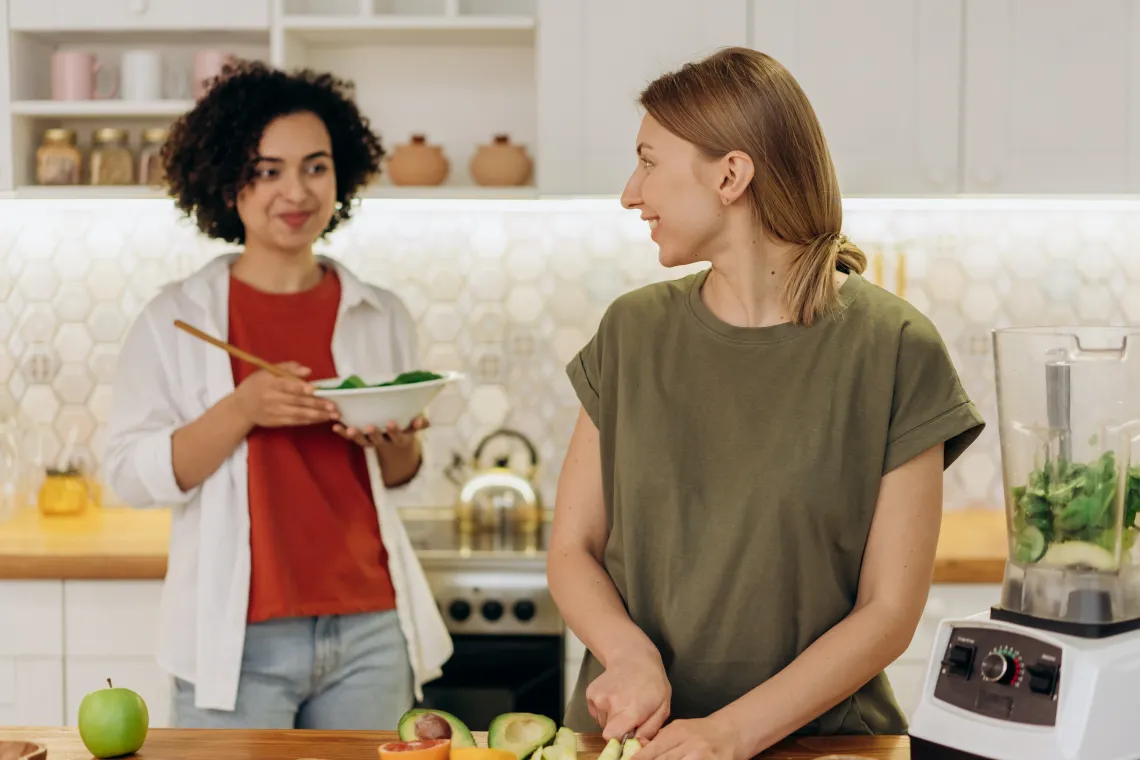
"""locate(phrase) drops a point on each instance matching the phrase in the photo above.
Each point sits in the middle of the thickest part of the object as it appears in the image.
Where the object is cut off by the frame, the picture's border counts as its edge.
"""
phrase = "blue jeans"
(346, 672)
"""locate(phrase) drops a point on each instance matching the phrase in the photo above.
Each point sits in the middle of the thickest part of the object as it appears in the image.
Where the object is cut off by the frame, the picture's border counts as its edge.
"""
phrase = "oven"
(507, 632)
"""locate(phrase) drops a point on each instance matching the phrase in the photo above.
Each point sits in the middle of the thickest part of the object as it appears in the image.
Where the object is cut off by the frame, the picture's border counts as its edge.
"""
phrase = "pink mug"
(73, 75)
(207, 65)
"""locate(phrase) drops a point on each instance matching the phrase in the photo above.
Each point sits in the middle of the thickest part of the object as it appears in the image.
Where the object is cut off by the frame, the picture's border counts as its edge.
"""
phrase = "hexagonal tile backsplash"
(508, 292)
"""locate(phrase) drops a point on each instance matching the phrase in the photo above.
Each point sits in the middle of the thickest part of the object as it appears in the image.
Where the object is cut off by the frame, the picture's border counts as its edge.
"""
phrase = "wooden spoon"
(233, 350)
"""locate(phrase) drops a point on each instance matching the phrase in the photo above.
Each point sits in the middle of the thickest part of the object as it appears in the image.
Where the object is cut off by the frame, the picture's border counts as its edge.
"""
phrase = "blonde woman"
(748, 511)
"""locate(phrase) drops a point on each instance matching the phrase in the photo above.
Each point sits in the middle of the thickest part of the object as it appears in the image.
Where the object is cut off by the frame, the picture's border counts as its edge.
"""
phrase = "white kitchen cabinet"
(111, 632)
(1052, 96)
(75, 15)
(594, 57)
(31, 653)
(883, 76)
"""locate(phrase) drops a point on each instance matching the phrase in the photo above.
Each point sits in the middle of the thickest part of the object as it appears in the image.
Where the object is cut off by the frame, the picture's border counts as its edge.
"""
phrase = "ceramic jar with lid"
(151, 172)
(58, 160)
(501, 164)
(111, 159)
(418, 163)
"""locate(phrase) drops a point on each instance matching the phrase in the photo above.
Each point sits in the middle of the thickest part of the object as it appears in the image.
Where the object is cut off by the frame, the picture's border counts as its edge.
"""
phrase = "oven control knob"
(459, 610)
(524, 610)
(492, 610)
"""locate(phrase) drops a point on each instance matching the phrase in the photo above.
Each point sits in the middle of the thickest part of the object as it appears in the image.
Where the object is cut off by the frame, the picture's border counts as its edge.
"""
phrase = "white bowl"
(361, 407)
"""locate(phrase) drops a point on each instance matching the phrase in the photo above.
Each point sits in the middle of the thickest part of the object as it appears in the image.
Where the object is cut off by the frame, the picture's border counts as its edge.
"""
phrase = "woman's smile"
(296, 219)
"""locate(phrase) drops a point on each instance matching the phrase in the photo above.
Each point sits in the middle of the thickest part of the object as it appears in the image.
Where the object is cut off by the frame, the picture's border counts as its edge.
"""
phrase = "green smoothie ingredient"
(1065, 514)
(404, 378)
(521, 733)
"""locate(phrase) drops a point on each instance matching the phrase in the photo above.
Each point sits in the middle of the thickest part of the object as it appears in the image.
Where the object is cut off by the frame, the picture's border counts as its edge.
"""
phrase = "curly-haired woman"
(292, 597)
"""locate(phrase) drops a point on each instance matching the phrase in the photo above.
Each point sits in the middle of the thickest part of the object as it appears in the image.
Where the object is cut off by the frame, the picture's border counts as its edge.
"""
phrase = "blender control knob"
(524, 610)
(459, 610)
(1043, 678)
(998, 667)
(492, 610)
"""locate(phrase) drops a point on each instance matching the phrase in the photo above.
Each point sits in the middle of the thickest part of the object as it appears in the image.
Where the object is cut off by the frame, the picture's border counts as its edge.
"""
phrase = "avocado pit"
(432, 726)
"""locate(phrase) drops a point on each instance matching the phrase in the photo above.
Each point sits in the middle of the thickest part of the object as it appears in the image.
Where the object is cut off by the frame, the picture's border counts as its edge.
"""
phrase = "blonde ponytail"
(810, 287)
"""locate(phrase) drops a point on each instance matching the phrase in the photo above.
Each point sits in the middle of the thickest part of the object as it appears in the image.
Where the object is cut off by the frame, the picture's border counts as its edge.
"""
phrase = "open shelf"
(443, 192)
(68, 192)
(95, 109)
(411, 30)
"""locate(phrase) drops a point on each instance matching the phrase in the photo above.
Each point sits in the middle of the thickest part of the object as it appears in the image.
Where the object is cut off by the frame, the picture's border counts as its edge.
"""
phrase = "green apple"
(113, 721)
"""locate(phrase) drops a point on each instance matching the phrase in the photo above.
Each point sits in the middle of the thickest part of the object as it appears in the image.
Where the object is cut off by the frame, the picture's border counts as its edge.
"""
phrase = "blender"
(1052, 671)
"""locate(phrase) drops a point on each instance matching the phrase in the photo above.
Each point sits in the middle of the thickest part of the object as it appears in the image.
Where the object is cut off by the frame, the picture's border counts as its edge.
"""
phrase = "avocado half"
(422, 723)
(520, 733)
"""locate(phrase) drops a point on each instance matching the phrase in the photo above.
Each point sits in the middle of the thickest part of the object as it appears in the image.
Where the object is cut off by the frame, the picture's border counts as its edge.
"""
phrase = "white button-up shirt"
(167, 378)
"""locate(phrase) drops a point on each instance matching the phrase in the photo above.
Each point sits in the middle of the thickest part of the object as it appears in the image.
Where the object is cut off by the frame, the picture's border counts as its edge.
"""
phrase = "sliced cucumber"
(1030, 544)
(1079, 554)
(612, 750)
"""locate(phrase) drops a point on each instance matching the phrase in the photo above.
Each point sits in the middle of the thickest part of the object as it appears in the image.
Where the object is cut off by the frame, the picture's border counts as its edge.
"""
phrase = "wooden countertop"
(119, 543)
(183, 744)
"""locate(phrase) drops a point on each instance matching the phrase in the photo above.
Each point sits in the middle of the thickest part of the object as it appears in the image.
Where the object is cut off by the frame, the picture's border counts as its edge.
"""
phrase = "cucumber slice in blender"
(1030, 544)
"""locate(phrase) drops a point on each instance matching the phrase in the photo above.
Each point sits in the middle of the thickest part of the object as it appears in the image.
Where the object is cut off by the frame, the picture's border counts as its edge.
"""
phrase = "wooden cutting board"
(190, 744)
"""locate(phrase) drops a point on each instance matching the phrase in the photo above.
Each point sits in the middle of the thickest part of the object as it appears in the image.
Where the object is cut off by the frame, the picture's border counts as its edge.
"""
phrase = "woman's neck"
(745, 287)
(275, 271)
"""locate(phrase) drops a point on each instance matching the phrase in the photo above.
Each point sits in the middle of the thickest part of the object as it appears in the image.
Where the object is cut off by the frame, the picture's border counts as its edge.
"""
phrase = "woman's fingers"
(653, 724)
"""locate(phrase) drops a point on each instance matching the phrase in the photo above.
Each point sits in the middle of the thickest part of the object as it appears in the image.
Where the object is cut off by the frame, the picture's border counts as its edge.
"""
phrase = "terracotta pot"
(501, 164)
(22, 751)
(418, 163)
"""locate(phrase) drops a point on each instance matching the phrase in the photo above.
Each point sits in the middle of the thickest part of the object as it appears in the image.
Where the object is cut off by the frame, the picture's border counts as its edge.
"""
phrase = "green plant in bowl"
(353, 382)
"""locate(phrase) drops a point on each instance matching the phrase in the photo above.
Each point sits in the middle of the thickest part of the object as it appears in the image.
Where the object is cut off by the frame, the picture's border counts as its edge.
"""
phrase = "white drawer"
(31, 691)
(32, 612)
(74, 15)
(906, 680)
(111, 618)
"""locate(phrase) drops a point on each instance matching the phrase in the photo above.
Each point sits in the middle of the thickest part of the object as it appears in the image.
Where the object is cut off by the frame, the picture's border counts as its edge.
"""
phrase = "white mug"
(141, 75)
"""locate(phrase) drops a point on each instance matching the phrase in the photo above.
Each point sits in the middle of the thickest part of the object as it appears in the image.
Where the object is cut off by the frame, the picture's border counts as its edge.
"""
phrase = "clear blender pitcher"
(1069, 416)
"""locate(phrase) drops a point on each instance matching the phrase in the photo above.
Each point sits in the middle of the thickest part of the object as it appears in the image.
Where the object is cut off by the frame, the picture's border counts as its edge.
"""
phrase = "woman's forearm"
(199, 448)
(835, 666)
(593, 609)
(399, 465)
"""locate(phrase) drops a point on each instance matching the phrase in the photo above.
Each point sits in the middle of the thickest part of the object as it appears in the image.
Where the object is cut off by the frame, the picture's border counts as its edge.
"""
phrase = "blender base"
(996, 690)
(920, 749)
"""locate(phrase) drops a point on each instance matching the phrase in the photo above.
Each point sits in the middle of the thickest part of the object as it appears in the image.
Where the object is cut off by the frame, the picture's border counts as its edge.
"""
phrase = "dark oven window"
(492, 675)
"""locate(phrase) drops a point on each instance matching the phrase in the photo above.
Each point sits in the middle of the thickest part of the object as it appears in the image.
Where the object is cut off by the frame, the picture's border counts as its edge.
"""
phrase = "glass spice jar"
(151, 172)
(111, 159)
(58, 161)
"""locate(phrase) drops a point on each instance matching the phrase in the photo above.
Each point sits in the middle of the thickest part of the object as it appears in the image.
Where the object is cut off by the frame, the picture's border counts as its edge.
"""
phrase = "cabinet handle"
(138, 7)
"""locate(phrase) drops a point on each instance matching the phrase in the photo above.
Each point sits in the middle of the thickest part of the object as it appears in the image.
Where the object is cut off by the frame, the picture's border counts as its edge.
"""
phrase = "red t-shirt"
(314, 533)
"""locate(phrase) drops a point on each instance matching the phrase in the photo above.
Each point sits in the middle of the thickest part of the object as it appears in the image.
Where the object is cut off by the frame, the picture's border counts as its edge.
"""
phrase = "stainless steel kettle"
(496, 497)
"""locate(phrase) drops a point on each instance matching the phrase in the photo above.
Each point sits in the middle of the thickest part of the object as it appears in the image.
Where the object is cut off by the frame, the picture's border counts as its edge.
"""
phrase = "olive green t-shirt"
(741, 468)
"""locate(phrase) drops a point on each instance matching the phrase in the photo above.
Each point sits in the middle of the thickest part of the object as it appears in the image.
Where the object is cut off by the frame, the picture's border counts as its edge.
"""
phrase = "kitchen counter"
(120, 543)
(180, 744)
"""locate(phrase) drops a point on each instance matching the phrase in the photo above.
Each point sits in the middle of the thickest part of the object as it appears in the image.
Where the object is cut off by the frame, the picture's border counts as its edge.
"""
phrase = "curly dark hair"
(208, 154)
